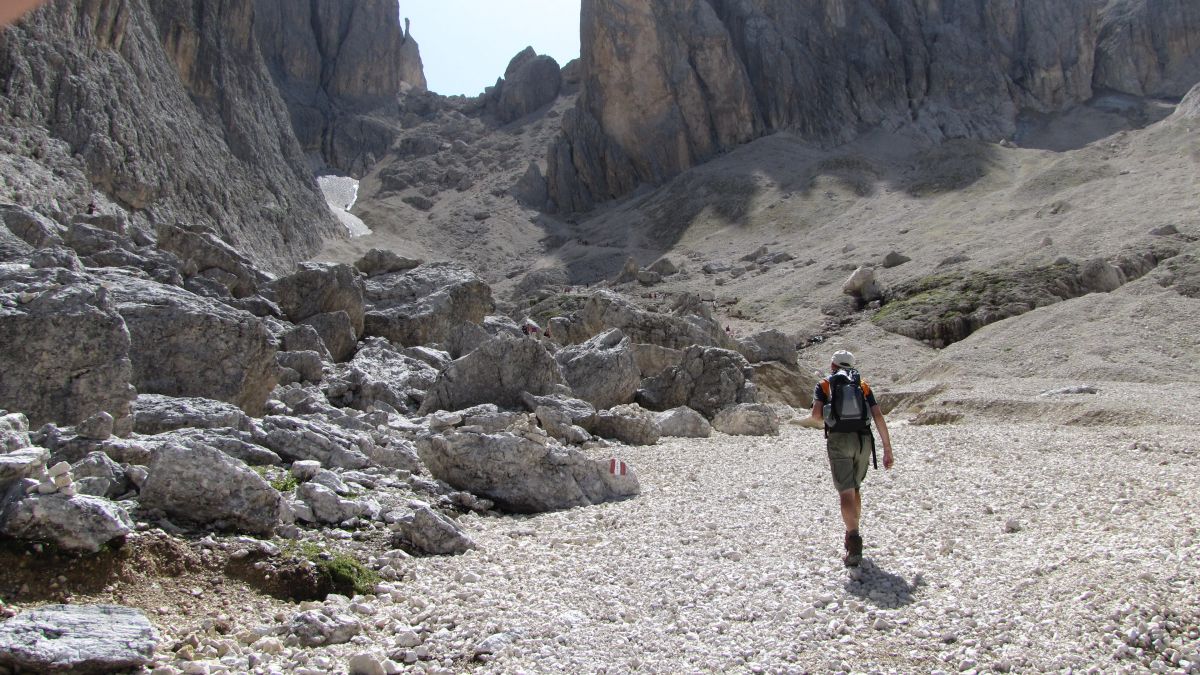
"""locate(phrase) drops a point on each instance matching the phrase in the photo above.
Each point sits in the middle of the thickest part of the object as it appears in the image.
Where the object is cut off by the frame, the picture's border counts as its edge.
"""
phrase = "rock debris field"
(989, 548)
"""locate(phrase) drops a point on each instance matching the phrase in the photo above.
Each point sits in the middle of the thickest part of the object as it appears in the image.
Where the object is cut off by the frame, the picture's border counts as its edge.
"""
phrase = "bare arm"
(877, 414)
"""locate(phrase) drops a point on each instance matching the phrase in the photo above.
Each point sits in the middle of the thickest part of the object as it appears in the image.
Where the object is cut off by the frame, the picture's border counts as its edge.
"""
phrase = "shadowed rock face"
(336, 62)
(167, 108)
(670, 84)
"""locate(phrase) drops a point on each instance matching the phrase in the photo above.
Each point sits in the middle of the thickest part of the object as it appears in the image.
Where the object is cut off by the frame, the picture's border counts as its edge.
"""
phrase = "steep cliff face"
(166, 109)
(336, 63)
(670, 84)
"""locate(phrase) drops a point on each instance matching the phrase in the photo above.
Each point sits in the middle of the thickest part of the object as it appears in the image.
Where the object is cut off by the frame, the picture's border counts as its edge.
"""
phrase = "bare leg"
(851, 502)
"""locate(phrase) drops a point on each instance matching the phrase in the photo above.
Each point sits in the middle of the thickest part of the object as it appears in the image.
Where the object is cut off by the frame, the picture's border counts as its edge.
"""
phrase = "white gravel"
(989, 547)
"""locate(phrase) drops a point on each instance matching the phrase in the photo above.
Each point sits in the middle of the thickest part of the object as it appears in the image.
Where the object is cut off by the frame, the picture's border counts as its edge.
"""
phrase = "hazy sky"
(466, 44)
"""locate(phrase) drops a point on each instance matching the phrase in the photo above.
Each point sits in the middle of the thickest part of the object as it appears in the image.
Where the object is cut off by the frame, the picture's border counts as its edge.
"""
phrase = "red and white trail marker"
(617, 467)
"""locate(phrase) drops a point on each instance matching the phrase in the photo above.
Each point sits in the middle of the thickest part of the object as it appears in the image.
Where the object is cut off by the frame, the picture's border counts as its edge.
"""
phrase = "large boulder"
(603, 370)
(31, 227)
(325, 506)
(66, 349)
(530, 82)
(500, 371)
(747, 419)
(297, 439)
(707, 380)
(319, 288)
(155, 414)
(779, 383)
(631, 424)
(337, 332)
(520, 473)
(425, 305)
(862, 285)
(186, 345)
(77, 639)
(384, 261)
(605, 309)
(240, 445)
(683, 422)
(207, 487)
(78, 523)
(428, 531)
(200, 251)
(580, 413)
(653, 359)
(379, 373)
(19, 464)
(769, 345)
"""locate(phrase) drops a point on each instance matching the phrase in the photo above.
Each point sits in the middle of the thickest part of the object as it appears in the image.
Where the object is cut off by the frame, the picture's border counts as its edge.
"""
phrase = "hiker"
(843, 404)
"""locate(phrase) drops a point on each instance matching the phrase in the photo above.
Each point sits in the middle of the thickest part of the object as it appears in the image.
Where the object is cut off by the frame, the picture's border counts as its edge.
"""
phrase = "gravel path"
(988, 547)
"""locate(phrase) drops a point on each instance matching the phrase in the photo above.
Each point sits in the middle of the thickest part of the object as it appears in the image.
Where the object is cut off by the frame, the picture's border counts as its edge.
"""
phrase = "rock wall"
(164, 109)
(336, 63)
(670, 84)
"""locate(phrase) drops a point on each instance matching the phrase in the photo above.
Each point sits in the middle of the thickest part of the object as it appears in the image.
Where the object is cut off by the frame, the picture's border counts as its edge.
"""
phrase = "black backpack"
(846, 411)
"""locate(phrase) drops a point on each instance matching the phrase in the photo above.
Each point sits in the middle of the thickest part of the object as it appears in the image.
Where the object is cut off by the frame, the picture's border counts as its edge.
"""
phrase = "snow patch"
(341, 192)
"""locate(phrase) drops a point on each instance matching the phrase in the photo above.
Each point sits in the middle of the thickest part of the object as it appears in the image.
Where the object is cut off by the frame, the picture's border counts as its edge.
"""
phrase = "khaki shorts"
(849, 455)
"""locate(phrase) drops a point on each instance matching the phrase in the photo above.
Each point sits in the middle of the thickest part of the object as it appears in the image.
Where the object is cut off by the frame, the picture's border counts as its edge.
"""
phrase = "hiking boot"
(853, 550)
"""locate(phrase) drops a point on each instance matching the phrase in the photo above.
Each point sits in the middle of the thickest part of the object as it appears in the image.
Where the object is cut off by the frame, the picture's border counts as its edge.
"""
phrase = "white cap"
(843, 358)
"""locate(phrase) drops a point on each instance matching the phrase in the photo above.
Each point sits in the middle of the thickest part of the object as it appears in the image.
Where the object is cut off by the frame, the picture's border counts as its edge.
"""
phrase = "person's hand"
(887, 457)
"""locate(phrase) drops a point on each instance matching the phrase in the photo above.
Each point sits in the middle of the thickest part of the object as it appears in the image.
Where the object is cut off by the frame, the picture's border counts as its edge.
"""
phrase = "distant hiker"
(844, 405)
(92, 209)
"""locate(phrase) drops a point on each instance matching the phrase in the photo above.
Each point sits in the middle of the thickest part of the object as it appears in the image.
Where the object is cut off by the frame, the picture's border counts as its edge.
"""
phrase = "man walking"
(844, 405)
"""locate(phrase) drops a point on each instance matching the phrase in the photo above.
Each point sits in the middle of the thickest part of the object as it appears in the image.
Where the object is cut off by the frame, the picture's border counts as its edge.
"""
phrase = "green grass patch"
(346, 574)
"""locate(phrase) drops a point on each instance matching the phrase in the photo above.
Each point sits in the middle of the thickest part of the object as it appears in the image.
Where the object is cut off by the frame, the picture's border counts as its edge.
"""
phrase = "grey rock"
(530, 82)
(207, 487)
(320, 288)
(894, 259)
(156, 414)
(326, 506)
(629, 272)
(769, 345)
(379, 373)
(541, 280)
(605, 309)
(521, 474)
(664, 267)
(26, 462)
(499, 371)
(307, 366)
(337, 333)
(630, 424)
(603, 370)
(55, 257)
(428, 531)
(305, 338)
(295, 439)
(305, 469)
(185, 345)
(31, 227)
(558, 424)
(97, 427)
(240, 445)
(747, 419)
(707, 380)
(683, 422)
(339, 68)
(423, 306)
(66, 349)
(79, 523)
(100, 467)
(318, 629)
(862, 285)
(579, 413)
(77, 639)
(381, 261)
(199, 250)
(14, 432)
(242, 174)
(653, 359)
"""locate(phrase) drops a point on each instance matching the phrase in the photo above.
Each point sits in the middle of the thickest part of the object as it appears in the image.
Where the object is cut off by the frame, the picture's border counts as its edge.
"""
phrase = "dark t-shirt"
(819, 395)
